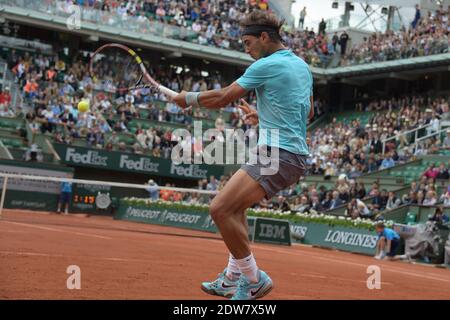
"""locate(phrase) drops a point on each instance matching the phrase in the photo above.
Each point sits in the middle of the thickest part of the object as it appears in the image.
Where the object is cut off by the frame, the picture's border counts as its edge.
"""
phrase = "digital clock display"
(83, 199)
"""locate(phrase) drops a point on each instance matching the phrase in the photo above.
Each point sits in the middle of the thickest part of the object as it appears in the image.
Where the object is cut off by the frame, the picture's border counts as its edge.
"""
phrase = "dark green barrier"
(190, 219)
(336, 237)
(32, 194)
(260, 229)
(251, 228)
(30, 200)
(272, 231)
(119, 161)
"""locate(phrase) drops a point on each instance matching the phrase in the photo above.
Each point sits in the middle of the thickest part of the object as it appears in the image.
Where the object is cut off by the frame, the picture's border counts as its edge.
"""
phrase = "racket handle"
(169, 93)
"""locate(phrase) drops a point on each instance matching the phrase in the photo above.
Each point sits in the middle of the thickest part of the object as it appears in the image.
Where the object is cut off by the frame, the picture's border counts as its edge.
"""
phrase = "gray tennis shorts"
(291, 167)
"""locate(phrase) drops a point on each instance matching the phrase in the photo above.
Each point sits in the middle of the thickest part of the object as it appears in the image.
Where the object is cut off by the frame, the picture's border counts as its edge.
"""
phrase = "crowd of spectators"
(427, 35)
(216, 23)
(362, 202)
(52, 87)
(359, 201)
(355, 149)
(210, 22)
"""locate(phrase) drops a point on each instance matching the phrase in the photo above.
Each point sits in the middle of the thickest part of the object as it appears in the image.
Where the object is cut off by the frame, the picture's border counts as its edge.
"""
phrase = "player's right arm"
(254, 77)
(214, 99)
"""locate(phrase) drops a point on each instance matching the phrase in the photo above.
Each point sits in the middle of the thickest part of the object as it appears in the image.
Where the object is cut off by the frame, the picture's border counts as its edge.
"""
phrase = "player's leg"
(225, 284)
(227, 210)
(233, 273)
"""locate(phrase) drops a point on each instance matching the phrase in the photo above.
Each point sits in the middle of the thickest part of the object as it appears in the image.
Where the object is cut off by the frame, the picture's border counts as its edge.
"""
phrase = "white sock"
(248, 267)
(233, 272)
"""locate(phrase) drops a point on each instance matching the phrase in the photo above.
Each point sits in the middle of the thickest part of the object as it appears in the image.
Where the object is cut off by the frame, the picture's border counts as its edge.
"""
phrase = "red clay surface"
(125, 260)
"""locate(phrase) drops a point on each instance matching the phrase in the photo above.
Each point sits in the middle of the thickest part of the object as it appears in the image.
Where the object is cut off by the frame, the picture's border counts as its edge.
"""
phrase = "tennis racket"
(118, 68)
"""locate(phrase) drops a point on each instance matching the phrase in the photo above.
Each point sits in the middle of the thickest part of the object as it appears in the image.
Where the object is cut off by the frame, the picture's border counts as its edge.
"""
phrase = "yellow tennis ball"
(83, 106)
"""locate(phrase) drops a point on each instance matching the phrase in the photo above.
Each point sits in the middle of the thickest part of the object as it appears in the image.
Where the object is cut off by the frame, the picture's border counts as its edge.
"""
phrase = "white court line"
(58, 230)
(15, 231)
(53, 255)
(385, 268)
(309, 275)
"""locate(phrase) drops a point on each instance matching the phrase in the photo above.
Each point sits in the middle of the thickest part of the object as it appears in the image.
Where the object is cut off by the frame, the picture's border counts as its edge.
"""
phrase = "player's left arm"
(214, 99)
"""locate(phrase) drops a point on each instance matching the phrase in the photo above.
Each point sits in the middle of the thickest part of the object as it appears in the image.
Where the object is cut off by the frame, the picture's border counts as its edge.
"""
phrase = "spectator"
(388, 162)
(335, 41)
(363, 209)
(5, 99)
(417, 17)
(379, 201)
(442, 173)
(326, 202)
(322, 27)
(282, 204)
(392, 202)
(420, 197)
(343, 42)
(213, 184)
(430, 198)
(351, 211)
(445, 198)
(335, 201)
(302, 18)
(431, 172)
(446, 142)
(153, 190)
(315, 204)
(439, 217)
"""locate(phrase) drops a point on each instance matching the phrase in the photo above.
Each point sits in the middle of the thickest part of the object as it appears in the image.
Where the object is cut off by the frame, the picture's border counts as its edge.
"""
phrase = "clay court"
(124, 260)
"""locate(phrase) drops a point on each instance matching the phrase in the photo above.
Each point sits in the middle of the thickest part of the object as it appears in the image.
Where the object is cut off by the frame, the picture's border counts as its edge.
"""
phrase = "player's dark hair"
(265, 21)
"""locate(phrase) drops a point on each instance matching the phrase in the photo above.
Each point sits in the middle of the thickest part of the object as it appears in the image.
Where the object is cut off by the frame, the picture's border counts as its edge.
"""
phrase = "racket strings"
(115, 70)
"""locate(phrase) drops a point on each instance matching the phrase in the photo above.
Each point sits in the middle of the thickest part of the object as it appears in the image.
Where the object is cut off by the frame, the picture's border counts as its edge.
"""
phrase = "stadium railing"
(411, 136)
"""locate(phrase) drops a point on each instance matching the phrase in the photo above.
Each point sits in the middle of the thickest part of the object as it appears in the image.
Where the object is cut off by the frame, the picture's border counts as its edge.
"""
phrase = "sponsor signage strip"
(118, 161)
(336, 237)
(275, 231)
(261, 229)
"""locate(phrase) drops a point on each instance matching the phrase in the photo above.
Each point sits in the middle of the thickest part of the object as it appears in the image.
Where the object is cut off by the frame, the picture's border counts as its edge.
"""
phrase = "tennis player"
(283, 84)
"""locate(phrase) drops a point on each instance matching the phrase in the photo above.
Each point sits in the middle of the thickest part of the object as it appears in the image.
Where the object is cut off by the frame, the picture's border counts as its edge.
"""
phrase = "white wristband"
(192, 99)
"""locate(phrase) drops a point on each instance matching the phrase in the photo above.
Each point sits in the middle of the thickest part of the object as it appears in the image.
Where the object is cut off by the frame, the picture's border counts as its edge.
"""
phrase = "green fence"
(128, 162)
(32, 195)
(336, 237)
(275, 231)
